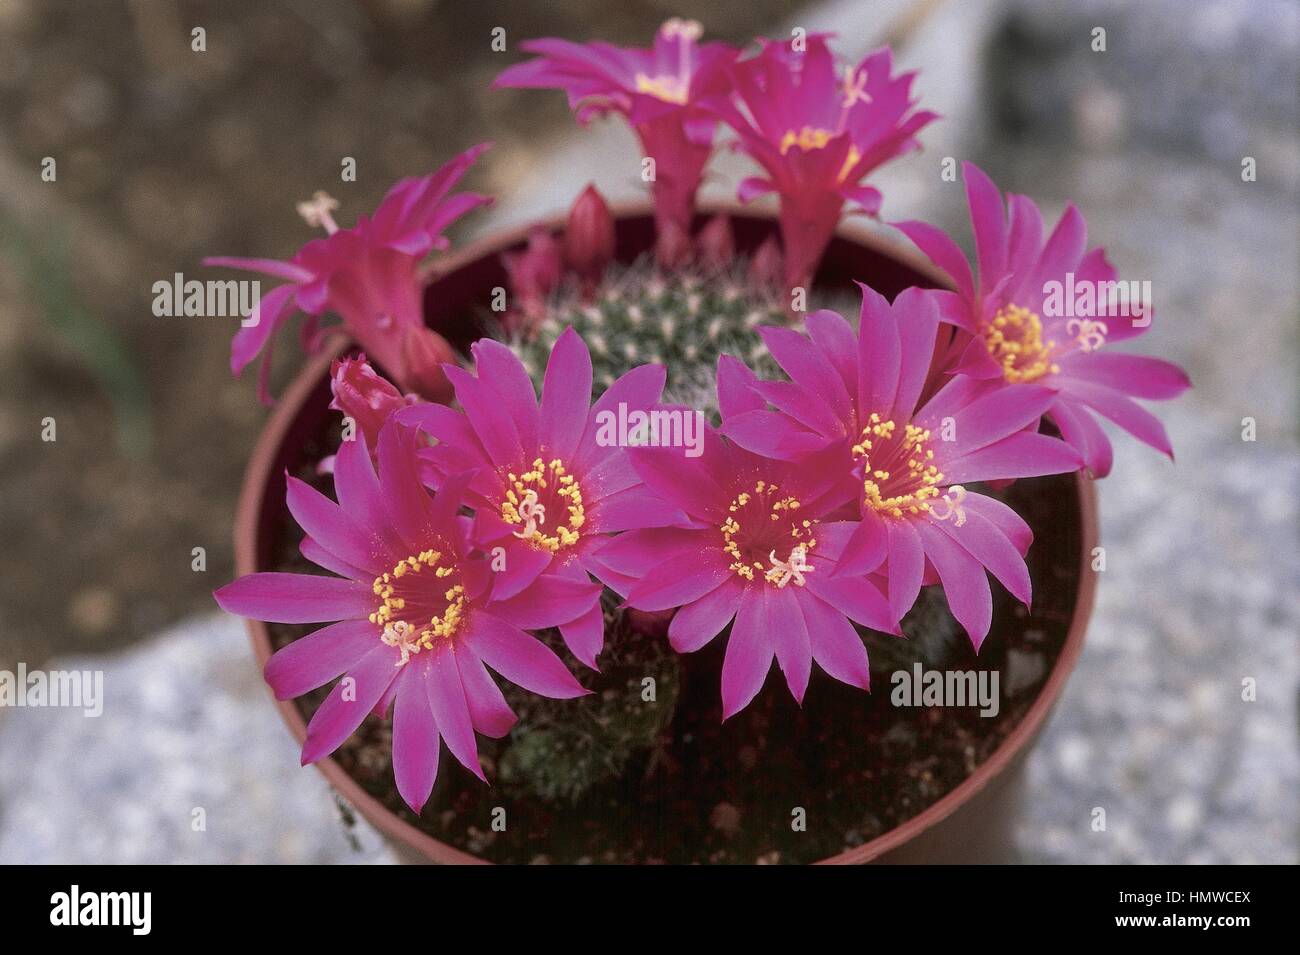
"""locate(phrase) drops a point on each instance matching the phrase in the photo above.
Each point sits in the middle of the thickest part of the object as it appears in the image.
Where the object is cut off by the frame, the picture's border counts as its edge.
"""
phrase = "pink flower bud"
(589, 236)
(716, 245)
(363, 395)
(673, 245)
(424, 352)
(765, 267)
(531, 275)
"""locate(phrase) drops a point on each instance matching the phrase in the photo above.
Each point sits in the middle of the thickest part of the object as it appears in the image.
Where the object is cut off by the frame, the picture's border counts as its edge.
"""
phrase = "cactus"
(559, 749)
(640, 314)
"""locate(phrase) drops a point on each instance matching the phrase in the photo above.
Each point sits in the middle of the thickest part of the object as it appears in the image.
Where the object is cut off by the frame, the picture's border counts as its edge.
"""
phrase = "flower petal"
(566, 395)
(312, 661)
(965, 583)
(749, 653)
(701, 620)
(836, 646)
(522, 659)
(348, 703)
(488, 710)
(296, 598)
(415, 740)
(450, 712)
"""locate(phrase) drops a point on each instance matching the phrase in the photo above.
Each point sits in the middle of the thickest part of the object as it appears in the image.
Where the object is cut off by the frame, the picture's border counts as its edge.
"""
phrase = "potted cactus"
(576, 488)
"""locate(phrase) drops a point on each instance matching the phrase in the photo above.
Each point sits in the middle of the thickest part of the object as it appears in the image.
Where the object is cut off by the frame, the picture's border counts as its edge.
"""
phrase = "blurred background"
(165, 155)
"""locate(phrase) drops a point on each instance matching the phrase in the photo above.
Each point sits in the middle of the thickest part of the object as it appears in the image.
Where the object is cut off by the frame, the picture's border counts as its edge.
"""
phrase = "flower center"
(669, 88)
(810, 138)
(897, 476)
(763, 533)
(547, 487)
(1014, 339)
(420, 600)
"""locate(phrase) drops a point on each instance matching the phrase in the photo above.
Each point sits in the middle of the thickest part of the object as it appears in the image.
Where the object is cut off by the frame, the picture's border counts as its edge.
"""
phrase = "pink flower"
(419, 621)
(855, 397)
(759, 546)
(549, 486)
(817, 136)
(363, 395)
(367, 275)
(1039, 313)
(664, 92)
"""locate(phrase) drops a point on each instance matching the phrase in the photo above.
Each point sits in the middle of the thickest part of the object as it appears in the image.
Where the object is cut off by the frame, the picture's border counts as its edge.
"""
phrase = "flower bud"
(716, 245)
(363, 395)
(672, 246)
(765, 267)
(424, 352)
(589, 236)
(531, 275)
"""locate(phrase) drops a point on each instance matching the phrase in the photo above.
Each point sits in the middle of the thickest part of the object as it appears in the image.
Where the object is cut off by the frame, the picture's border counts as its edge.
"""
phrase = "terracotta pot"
(972, 823)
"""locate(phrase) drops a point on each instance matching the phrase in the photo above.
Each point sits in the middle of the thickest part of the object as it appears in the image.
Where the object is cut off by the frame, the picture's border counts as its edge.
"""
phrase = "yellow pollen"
(777, 571)
(412, 637)
(810, 138)
(1014, 339)
(668, 88)
(523, 505)
(911, 482)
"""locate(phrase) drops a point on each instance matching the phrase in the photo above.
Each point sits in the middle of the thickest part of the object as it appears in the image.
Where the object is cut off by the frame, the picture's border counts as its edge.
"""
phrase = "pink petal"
(749, 653)
(700, 621)
(493, 424)
(681, 482)
(988, 222)
(407, 502)
(1125, 412)
(504, 373)
(836, 646)
(965, 583)
(548, 602)
(736, 388)
(319, 657)
(450, 712)
(1135, 375)
(790, 638)
(322, 558)
(1008, 522)
(639, 389)
(988, 545)
(943, 251)
(858, 598)
(335, 529)
(566, 395)
(677, 582)
(520, 658)
(771, 435)
(415, 740)
(905, 567)
(585, 636)
(338, 717)
(296, 598)
(1023, 454)
(834, 336)
(488, 710)
(1080, 430)
(991, 418)
(866, 548)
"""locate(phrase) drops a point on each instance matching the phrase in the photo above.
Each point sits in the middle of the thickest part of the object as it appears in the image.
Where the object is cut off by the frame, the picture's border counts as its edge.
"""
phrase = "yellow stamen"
(522, 504)
(1014, 339)
(913, 489)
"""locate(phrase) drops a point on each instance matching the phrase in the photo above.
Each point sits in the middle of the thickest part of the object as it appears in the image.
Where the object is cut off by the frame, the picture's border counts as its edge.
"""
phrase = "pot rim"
(305, 382)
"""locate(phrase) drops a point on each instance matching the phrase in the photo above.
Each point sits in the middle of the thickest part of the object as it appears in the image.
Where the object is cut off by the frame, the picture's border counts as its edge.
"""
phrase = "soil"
(728, 792)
